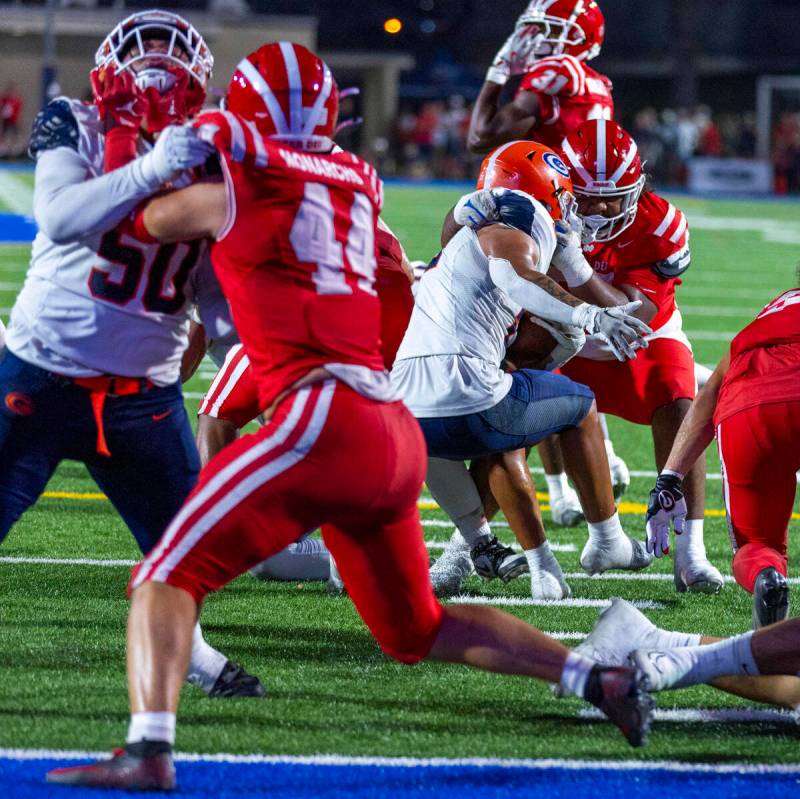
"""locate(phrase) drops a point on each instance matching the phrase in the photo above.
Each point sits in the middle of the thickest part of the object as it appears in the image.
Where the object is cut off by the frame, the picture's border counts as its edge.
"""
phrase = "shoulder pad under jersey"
(55, 126)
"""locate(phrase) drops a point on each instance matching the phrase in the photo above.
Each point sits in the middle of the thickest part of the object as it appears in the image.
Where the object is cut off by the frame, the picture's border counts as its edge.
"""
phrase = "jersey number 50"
(157, 297)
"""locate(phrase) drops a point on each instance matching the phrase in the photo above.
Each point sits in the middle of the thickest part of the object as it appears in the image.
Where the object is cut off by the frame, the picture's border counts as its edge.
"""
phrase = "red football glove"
(118, 100)
(174, 107)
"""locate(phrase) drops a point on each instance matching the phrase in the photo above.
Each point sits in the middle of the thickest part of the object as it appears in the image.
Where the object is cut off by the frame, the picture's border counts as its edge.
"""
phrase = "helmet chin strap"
(155, 77)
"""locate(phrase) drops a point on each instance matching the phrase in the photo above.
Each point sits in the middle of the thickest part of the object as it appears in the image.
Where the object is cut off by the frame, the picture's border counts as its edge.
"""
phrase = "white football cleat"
(619, 629)
(662, 669)
(566, 510)
(550, 587)
(335, 584)
(696, 573)
(621, 553)
(450, 570)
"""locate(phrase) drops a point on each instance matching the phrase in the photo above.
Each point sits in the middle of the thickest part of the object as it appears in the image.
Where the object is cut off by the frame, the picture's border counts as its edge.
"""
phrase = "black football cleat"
(492, 559)
(770, 598)
(234, 682)
(126, 770)
(621, 694)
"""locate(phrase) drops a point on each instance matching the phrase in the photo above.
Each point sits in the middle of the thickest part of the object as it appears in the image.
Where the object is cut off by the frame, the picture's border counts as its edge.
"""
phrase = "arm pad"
(532, 297)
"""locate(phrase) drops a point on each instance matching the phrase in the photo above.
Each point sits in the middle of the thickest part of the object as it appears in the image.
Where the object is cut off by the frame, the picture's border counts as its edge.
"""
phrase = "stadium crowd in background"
(10, 110)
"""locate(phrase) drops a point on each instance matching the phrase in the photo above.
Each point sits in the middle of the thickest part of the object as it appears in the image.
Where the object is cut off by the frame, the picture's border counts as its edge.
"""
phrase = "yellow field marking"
(625, 508)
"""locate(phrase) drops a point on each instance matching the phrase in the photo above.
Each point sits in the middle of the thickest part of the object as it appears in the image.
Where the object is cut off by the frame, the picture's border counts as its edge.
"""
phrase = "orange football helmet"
(535, 169)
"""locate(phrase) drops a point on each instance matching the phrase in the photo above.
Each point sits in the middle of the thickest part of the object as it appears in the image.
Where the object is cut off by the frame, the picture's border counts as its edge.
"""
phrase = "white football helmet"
(185, 48)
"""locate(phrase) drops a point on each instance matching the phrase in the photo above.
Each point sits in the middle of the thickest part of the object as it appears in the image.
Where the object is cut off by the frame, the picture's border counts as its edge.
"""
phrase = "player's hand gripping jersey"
(104, 302)
(297, 259)
(569, 92)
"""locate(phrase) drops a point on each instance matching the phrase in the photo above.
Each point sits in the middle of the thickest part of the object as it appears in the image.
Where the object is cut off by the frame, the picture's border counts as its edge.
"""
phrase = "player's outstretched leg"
(621, 628)
(608, 547)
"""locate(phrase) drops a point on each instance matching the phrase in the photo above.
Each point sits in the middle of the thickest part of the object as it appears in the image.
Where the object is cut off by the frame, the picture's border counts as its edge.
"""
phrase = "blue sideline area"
(25, 780)
(15, 229)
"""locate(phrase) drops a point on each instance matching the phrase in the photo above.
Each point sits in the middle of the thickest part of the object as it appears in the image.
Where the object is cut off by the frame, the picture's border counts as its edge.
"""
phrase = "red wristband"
(140, 230)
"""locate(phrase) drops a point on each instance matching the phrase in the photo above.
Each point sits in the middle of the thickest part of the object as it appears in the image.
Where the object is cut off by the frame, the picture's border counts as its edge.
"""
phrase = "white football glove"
(477, 208)
(568, 257)
(667, 505)
(515, 57)
(569, 342)
(622, 332)
(177, 148)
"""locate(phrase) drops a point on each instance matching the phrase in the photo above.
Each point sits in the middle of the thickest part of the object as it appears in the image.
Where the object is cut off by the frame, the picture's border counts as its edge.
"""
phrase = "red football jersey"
(569, 93)
(658, 236)
(765, 359)
(297, 256)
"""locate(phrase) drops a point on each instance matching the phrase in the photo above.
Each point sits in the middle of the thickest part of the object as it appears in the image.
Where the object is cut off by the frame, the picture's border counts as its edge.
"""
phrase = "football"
(532, 346)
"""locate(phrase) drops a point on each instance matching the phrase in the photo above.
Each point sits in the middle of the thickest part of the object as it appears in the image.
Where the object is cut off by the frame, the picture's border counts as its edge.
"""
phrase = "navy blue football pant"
(45, 419)
(537, 405)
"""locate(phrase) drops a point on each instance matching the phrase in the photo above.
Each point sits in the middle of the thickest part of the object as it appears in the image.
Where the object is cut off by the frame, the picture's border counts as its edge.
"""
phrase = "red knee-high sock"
(750, 559)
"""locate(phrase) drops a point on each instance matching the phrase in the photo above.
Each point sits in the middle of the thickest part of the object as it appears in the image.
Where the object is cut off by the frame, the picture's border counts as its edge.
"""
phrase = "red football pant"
(760, 452)
(329, 457)
(233, 395)
(634, 390)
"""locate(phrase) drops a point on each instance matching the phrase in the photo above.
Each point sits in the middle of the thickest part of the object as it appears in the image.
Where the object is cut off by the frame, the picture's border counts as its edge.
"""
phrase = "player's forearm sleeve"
(70, 204)
(531, 296)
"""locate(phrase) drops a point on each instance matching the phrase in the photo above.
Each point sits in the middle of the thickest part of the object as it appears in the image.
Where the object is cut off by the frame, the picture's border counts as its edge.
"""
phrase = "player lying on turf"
(97, 332)
(294, 250)
(448, 368)
(752, 404)
(621, 630)
(638, 244)
(549, 48)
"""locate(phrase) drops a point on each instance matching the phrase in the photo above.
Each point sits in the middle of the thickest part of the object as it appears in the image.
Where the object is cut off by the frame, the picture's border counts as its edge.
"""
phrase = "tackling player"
(752, 404)
(551, 43)
(638, 243)
(448, 368)
(94, 344)
(295, 231)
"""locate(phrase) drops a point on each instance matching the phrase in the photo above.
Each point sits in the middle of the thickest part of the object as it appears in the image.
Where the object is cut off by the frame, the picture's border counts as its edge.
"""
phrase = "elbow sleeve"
(530, 296)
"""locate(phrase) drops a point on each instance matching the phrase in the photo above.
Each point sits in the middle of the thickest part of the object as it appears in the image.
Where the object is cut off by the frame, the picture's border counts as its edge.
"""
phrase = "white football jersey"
(109, 303)
(449, 361)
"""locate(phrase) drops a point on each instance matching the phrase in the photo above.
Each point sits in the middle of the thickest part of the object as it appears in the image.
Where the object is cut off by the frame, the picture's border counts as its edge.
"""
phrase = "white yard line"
(16, 194)
(432, 762)
(573, 602)
(772, 230)
(745, 312)
(711, 335)
(709, 716)
(653, 577)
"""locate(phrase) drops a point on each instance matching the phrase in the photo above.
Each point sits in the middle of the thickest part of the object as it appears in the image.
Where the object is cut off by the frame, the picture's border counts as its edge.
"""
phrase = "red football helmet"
(184, 50)
(574, 27)
(604, 162)
(535, 169)
(289, 93)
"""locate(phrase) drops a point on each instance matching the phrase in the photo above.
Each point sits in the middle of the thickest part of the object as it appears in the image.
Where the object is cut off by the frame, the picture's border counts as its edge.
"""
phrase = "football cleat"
(770, 598)
(566, 510)
(621, 553)
(125, 770)
(548, 586)
(492, 559)
(234, 682)
(335, 585)
(662, 669)
(621, 694)
(450, 570)
(620, 476)
(620, 628)
(696, 574)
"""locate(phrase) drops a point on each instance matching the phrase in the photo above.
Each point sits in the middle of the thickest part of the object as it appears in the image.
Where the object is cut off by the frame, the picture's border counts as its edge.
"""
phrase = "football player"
(638, 243)
(295, 252)
(752, 404)
(448, 368)
(95, 339)
(550, 45)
